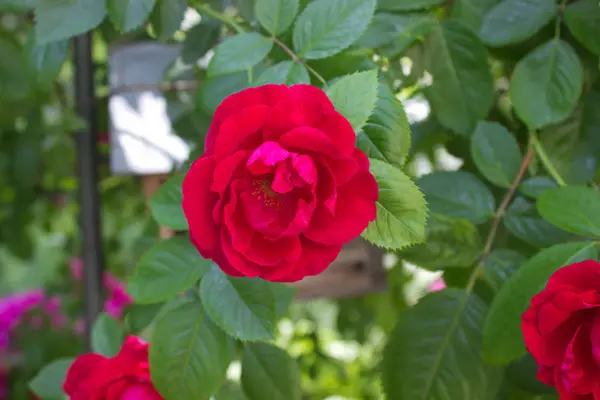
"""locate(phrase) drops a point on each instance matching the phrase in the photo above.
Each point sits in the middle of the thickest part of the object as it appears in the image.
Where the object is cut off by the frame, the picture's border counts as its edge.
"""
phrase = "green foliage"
(128, 15)
(575, 209)
(269, 373)
(82, 15)
(107, 336)
(239, 53)
(276, 16)
(165, 204)
(583, 20)
(189, 354)
(47, 384)
(354, 96)
(285, 72)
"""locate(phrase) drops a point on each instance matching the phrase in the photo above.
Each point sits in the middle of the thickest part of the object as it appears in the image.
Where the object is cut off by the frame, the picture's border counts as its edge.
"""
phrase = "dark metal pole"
(89, 198)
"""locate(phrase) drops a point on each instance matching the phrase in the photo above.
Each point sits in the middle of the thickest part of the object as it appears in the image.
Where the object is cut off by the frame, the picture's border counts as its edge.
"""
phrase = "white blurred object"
(141, 135)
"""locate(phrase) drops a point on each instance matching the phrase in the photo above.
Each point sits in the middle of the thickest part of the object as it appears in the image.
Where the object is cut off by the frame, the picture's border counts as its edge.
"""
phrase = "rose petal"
(268, 95)
(266, 157)
(314, 260)
(198, 203)
(583, 276)
(305, 138)
(339, 131)
(240, 131)
(83, 367)
(227, 169)
(290, 114)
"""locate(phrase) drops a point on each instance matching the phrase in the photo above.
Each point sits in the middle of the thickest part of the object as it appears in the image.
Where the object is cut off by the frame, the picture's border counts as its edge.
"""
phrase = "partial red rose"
(123, 377)
(281, 185)
(561, 328)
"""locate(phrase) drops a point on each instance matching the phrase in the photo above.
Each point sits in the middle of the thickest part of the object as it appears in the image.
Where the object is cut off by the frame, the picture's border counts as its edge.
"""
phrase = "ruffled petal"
(82, 369)
(306, 139)
(314, 260)
(241, 131)
(290, 114)
(583, 276)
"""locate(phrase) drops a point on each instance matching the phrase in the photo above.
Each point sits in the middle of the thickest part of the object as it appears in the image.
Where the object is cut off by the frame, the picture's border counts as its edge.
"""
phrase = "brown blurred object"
(150, 184)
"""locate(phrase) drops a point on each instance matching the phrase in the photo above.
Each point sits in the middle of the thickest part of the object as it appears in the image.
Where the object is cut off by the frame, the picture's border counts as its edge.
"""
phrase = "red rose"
(123, 377)
(562, 331)
(281, 185)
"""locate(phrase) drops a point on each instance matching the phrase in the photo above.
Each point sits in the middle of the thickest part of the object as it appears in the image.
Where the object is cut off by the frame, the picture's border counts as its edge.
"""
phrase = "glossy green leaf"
(471, 12)
(435, 351)
(401, 209)
(462, 89)
(269, 373)
(199, 40)
(230, 391)
(395, 32)
(458, 194)
(244, 308)
(48, 383)
(500, 265)
(513, 21)
(449, 243)
(284, 295)
(354, 96)
(407, 5)
(165, 204)
(167, 17)
(17, 5)
(285, 72)
(496, 153)
(276, 16)
(523, 221)
(573, 208)
(502, 336)
(546, 84)
(536, 185)
(239, 53)
(327, 27)
(583, 19)
(45, 61)
(128, 15)
(189, 355)
(386, 136)
(107, 336)
(50, 16)
(166, 270)
(141, 316)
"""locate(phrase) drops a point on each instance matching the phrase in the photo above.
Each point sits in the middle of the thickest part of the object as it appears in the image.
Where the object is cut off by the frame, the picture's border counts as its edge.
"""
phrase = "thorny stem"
(500, 213)
(541, 153)
(297, 59)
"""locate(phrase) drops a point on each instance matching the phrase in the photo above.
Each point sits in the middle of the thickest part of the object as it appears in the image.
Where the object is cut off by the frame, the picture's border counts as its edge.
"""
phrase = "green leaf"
(284, 295)
(434, 352)
(500, 265)
(285, 72)
(14, 82)
(536, 185)
(471, 12)
(513, 21)
(217, 88)
(546, 84)
(239, 53)
(401, 209)
(573, 208)
(407, 5)
(354, 96)
(386, 136)
(458, 194)
(450, 243)
(522, 220)
(189, 355)
(167, 269)
(140, 316)
(244, 308)
(107, 336)
(496, 153)
(583, 19)
(167, 17)
(128, 15)
(327, 27)
(199, 40)
(17, 5)
(395, 32)
(269, 373)
(48, 383)
(45, 61)
(502, 337)
(51, 17)
(165, 204)
(276, 15)
(230, 391)
(462, 89)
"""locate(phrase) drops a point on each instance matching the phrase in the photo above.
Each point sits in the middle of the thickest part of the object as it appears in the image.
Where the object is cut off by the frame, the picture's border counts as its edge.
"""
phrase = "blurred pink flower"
(437, 285)
(12, 309)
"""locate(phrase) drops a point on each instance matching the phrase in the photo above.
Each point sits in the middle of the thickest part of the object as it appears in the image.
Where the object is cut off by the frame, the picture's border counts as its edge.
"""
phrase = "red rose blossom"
(123, 377)
(281, 185)
(562, 331)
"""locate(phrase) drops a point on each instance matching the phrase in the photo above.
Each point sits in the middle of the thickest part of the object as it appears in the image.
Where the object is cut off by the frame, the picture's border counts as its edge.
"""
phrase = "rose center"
(261, 190)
